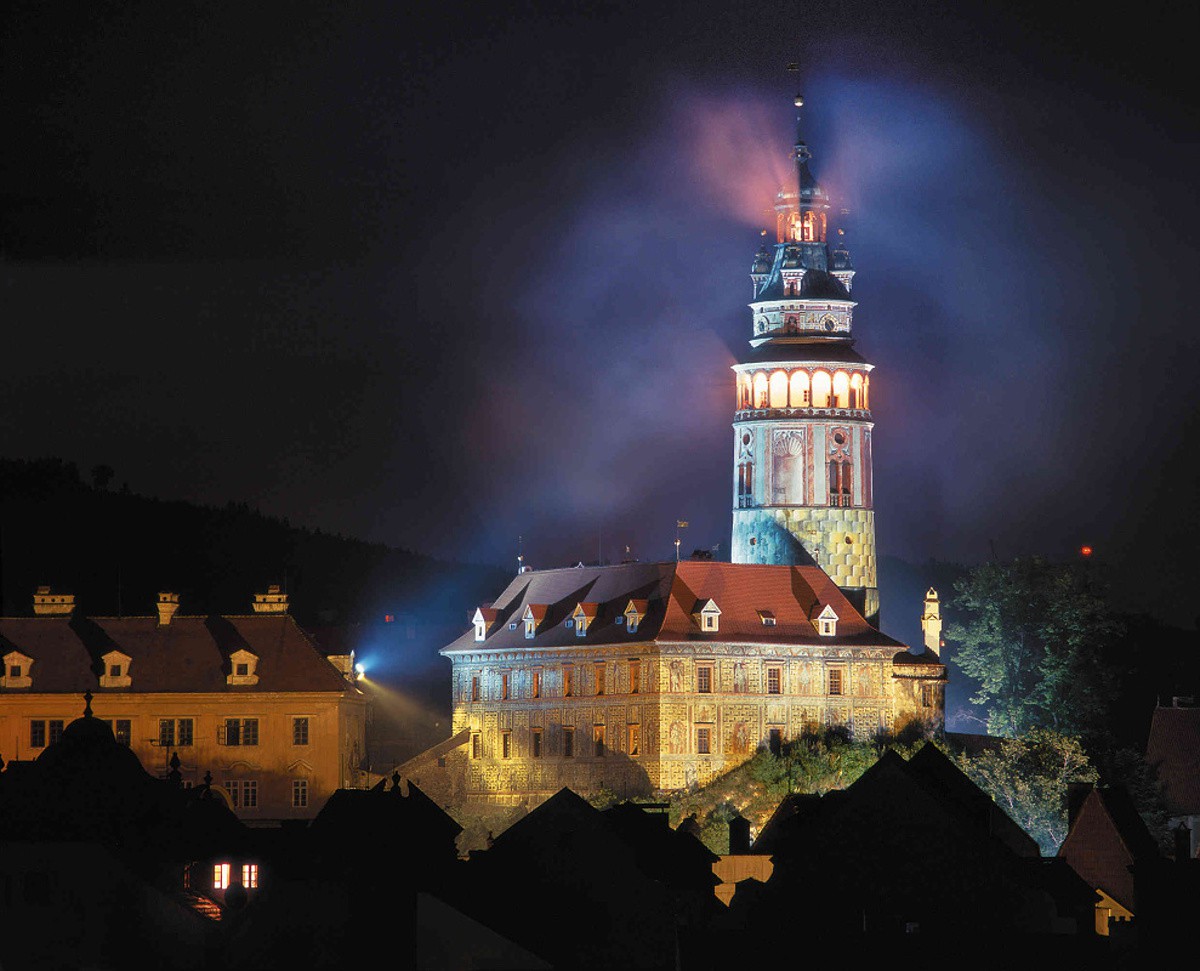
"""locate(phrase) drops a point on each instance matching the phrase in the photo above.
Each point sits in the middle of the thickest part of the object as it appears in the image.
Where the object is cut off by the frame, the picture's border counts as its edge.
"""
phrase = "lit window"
(599, 670)
(475, 688)
(568, 742)
(299, 731)
(635, 740)
(506, 745)
(567, 682)
(220, 876)
(598, 739)
(822, 385)
(250, 876)
(835, 682)
(774, 681)
(504, 686)
(703, 741)
(535, 686)
(635, 677)
(536, 737)
(704, 678)
(299, 793)
(123, 731)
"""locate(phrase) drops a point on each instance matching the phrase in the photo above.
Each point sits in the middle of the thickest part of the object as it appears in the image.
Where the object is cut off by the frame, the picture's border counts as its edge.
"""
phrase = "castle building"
(802, 488)
(248, 699)
(657, 676)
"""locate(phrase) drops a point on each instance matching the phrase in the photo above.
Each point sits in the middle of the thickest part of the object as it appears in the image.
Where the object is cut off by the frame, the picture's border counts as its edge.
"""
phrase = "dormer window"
(827, 622)
(16, 670)
(116, 670)
(533, 616)
(583, 615)
(243, 668)
(635, 610)
(709, 616)
(767, 617)
(483, 619)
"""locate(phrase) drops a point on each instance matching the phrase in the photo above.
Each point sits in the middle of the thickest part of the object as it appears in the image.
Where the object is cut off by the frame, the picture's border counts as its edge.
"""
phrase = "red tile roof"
(191, 654)
(1174, 749)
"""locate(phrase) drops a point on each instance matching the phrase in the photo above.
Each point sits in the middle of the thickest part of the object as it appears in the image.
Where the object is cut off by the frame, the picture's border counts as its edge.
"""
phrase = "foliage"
(1031, 636)
(1128, 768)
(1028, 778)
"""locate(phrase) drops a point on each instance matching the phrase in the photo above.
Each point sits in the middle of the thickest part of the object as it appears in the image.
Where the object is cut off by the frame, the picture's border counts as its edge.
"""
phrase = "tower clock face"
(829, 323)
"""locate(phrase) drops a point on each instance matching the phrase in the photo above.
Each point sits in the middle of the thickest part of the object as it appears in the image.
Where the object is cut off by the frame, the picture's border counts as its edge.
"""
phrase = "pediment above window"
(243, 668)
(116, 670)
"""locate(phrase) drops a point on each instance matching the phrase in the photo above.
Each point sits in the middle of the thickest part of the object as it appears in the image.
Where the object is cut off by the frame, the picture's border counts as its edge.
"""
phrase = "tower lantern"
(802, 487)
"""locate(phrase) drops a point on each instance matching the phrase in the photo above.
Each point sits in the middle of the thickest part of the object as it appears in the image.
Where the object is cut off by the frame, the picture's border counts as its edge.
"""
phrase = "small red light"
(390, 618)
(1085, 551)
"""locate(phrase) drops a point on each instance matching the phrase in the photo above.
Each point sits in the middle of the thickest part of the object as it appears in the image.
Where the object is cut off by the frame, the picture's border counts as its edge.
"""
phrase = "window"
(249, 795)
(55, 729)
(535, 684)
(240, 731)
(184, 734)
(840, 482)
(250, 876)
(568, 742)
(243, 666)
(835, 681)
(635, 677)
(928, 695)
(114, 670)
(242, 670)
(567, 682)
(299, 793)
(14, 671)
(598, 739)
(299, 731)
(530, 627)
(476, 746)
(704, 741)
(504, 695)
(475, 688)
(536, 739)
(166, 732)
(123, 731)
(774, 681)
(506, 745)
(635, 740)
(599, 679)
(704, 679)
(37, 733)
(220, 876)
(775, 741)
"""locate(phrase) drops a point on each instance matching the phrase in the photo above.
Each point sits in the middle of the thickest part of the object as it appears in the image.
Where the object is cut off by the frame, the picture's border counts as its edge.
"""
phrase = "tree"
(1028, 778)
(1034, 635)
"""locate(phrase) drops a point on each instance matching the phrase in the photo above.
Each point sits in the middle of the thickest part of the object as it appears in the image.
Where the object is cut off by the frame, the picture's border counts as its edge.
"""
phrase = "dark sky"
(447, 275)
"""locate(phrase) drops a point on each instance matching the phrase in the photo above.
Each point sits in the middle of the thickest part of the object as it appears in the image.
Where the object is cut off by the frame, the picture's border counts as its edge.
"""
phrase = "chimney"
(739, 836)
(47, 604)
(168, 603)
(272, 602)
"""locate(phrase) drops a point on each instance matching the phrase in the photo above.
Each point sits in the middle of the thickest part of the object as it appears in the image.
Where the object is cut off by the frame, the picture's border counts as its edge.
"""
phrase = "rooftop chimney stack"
(47, 604)
(274, 601)
(168, 603)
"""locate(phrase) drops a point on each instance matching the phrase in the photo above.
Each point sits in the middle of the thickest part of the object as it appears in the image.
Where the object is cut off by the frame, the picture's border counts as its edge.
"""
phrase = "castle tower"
(802, 427)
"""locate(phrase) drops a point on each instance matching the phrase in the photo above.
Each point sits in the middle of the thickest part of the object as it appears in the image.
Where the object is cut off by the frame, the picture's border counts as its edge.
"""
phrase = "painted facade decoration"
(802, 489)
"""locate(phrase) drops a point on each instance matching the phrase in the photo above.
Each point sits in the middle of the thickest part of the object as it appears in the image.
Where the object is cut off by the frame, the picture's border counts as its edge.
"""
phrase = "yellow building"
(657, 676)
(246, 698)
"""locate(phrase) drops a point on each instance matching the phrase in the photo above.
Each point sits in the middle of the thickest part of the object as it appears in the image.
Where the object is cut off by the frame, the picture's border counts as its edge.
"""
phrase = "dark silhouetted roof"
(805, 350)
(1174, 750)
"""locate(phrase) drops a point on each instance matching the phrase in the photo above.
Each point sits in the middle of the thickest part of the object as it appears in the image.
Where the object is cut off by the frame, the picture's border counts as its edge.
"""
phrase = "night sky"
(451, 274)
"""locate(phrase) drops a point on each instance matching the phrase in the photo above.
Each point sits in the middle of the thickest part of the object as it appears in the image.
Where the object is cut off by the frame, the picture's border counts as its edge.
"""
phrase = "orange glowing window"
(856, 391)
(760, 390)
(779, 389)
(841, 390)
(799, 395)
(821, 387)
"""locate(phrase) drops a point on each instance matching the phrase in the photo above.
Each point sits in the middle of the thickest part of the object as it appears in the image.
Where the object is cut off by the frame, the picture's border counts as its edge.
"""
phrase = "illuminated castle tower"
(802, 429)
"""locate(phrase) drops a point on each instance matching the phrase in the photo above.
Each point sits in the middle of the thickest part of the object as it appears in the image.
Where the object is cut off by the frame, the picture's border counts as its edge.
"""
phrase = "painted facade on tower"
(802, 486)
